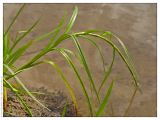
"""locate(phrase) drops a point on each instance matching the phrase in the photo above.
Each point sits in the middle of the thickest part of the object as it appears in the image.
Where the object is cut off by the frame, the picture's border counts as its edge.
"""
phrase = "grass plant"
(12, 53)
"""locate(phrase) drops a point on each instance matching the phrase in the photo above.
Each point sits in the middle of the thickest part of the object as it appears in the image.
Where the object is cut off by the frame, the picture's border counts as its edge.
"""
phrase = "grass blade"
(64, 110)
(95, 44)
(62, 51)
(23, 86)
(44, 36)
(121, 55)
(128, 55)
(65, 81)
(5, 45)
(14, 19)
(19, 71)
(85, 66)
(107, 73)
(72, 20)
(46, 49)
(23, 35)
(19, 97)
(105, 101)
(127, 59)
(17, 54)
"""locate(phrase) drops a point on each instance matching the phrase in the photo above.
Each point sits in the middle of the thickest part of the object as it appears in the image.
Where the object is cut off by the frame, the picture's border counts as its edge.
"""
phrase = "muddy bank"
(56, 101)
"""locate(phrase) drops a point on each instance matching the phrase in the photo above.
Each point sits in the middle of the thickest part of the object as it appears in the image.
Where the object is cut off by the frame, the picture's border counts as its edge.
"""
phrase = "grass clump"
(11, 54)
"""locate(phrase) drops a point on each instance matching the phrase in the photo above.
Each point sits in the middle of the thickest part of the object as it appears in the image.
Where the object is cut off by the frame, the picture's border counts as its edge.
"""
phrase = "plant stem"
(5, 99)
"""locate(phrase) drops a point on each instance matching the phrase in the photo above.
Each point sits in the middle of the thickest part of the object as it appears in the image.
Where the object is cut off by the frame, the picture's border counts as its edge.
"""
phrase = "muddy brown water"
(135, 24)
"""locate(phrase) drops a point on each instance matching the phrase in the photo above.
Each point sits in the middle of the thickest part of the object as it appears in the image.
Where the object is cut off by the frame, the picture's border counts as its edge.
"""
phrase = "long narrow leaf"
(14, 19)
(23, 86)
(5, 45)
(65, 81)
(23, 35)
(107, 73)
(121, 55)
(86, 66)
(72, 20)
(95, 44)
(64, 110)
(105, 101)
(21, 70)
(17, 54)
(46, 49)
(113, 45)
(62, 51)
(128, 55)
(19, 97)
(127, 59)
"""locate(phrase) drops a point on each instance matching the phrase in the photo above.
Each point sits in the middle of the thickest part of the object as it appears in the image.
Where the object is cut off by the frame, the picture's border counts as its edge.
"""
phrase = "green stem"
(5, 99)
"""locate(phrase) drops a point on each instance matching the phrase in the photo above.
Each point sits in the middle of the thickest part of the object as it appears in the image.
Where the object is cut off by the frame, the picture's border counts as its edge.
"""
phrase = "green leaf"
(5, 44)
(23, 35)
(72, 20)
(64, 110)
(21, 70)
(18, 53)
(46, 48)
(19, 97)
(98, 48)
(23, 86)
(14, 19)
(39, 38)
(105, 101)
(134, 75)
(64, 80)
(130, 61)
(70, 62)
(107, 73)
(83, 59)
